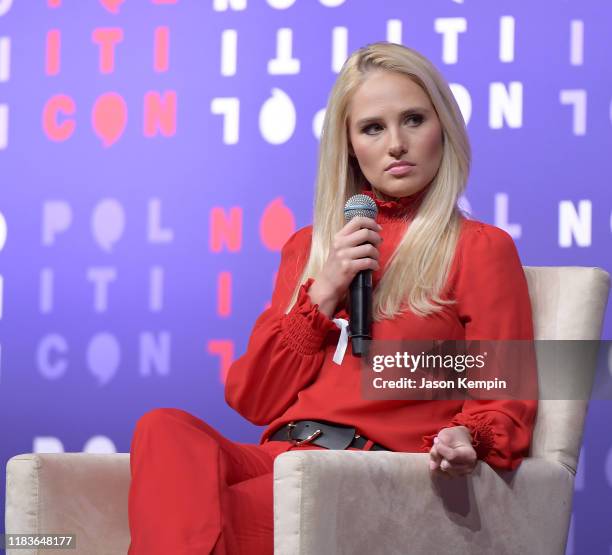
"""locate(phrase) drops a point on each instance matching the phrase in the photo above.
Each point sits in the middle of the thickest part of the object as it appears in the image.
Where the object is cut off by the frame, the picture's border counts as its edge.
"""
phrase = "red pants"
(194, 492)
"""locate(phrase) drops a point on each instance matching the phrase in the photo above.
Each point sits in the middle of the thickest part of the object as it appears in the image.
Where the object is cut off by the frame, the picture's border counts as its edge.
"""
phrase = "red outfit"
(288, 374)
(194, 492)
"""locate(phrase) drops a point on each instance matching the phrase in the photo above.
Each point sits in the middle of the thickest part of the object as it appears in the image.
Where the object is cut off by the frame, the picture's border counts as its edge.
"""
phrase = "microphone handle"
(360, 320)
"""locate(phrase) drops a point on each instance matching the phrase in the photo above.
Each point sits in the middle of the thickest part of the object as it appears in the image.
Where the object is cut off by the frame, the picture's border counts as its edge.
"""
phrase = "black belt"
(323, 434)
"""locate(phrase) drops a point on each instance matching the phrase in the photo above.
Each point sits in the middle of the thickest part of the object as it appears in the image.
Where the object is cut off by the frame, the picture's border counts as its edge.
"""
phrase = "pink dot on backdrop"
(277, 225)
(112, 5)
(109, 117)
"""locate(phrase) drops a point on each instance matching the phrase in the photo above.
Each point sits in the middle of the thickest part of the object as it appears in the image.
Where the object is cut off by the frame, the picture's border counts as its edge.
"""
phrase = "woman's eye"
(415, 118)
(369, 128)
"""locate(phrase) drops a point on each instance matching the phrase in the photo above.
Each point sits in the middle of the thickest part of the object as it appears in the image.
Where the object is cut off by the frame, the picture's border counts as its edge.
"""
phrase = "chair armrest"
(77, 493)
(348, 502)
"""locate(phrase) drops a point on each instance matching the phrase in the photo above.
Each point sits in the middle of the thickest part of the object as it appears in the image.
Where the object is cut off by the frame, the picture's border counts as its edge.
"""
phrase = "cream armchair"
(341, 502)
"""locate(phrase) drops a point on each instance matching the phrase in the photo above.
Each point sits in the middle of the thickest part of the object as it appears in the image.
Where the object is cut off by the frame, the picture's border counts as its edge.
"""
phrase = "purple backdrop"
(155, 155)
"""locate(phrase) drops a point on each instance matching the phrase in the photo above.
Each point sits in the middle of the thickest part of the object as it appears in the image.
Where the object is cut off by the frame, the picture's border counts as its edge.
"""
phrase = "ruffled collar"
(398, 209)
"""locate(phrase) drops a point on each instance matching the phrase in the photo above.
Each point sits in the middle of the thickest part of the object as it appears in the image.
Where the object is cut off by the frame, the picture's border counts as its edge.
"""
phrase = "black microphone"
(360, 318)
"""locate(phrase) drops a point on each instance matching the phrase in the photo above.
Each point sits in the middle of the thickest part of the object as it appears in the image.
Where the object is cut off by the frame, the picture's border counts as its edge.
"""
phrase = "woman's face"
(391, 120)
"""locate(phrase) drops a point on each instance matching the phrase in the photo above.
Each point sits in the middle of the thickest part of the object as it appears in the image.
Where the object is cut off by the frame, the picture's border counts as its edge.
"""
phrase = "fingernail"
(436, 439)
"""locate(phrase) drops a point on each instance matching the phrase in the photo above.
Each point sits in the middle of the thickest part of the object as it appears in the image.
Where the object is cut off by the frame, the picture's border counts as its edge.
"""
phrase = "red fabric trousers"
(194, 492)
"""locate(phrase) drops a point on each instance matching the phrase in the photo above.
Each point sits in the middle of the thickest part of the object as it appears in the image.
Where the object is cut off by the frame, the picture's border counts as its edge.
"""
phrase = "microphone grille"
(360, 205)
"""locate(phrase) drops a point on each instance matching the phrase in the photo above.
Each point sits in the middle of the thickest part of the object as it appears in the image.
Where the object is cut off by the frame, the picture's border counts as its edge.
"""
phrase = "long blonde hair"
(419, 267)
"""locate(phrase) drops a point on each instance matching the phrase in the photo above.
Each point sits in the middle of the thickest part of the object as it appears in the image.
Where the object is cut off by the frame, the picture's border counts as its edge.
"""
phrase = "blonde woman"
(392, 131)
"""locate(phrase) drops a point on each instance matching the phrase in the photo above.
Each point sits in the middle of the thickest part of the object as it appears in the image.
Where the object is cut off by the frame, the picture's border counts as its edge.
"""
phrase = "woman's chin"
(397, 191)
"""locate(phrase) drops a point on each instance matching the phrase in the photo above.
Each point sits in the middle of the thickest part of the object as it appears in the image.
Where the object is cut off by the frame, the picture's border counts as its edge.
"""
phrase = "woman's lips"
(403, 169)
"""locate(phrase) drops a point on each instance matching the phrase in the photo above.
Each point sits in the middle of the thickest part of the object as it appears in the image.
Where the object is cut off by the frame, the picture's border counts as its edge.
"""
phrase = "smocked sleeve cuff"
(304, 327)
(482, 433)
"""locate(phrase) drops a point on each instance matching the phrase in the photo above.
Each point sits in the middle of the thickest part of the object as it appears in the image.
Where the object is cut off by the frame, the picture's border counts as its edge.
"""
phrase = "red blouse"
(287, 372)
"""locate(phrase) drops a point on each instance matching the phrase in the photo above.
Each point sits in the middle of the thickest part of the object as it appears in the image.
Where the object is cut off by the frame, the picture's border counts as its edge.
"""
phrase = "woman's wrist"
(466, 431)
(321, 296)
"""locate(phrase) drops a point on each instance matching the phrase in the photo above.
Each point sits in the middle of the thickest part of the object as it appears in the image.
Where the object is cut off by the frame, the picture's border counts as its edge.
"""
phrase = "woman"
(392, 131)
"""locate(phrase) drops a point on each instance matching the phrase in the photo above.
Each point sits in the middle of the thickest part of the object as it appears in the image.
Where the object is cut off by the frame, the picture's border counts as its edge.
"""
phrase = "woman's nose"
(397, 144)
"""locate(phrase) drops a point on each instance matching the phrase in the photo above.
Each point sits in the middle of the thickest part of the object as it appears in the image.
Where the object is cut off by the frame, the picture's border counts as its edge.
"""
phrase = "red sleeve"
(493, 303)
(284, 353)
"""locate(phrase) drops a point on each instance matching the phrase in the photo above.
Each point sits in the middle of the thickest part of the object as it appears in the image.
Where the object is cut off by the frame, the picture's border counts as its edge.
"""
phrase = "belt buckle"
(309, 439)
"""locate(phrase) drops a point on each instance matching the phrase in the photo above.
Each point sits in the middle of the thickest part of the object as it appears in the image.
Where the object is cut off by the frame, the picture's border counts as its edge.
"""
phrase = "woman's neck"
(387, 198)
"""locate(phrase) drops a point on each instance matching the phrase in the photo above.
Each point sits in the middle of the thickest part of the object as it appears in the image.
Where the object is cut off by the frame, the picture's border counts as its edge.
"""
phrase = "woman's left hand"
(452, 452)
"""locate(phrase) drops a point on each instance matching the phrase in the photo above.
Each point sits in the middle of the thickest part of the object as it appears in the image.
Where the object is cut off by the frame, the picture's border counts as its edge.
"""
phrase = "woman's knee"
(160, 419)
(170, 419)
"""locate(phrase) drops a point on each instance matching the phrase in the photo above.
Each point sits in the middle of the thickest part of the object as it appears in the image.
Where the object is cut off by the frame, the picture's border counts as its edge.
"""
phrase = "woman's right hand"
(354, 248)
